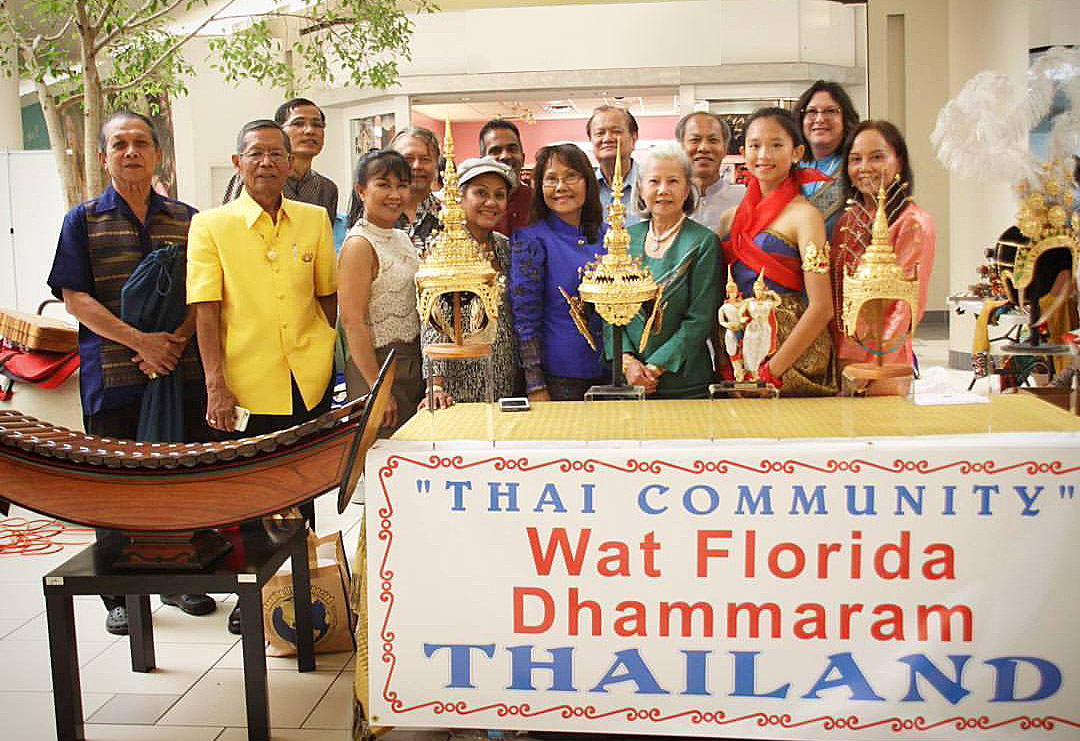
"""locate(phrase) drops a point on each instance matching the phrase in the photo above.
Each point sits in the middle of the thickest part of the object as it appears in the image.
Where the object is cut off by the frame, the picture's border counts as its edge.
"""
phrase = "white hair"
(665, 150)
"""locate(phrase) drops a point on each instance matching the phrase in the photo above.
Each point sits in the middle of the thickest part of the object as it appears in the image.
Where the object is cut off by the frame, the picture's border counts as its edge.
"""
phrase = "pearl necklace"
(659, 240)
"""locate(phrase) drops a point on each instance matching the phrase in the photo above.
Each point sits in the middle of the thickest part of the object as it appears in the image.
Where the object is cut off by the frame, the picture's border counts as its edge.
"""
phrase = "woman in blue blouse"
(566, 231)
(826, 118)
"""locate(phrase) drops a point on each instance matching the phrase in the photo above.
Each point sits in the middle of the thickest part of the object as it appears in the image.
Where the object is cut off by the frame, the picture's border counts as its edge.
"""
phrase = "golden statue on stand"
(616, 283)
(759, 333)
(877, 279)
(454, 264)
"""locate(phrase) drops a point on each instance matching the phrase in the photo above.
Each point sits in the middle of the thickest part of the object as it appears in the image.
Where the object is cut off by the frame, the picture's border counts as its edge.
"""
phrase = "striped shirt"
(310, 188)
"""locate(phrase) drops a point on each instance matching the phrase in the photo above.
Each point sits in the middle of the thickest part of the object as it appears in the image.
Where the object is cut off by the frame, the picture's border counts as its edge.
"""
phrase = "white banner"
(898, 588)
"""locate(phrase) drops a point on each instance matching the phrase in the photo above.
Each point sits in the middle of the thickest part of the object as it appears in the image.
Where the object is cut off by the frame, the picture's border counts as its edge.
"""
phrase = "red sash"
(754, 214)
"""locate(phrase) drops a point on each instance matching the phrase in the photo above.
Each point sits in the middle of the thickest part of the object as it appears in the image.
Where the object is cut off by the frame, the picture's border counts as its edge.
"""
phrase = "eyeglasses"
(570, 179)
(830, 112)
(277, 156)
(300, 123)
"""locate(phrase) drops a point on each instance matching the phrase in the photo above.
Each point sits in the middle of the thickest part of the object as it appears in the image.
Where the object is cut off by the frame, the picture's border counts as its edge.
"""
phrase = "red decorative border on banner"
(696, 716)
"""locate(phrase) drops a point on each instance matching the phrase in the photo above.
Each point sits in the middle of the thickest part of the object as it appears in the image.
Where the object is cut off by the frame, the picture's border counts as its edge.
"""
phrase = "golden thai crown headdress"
(1046, 218)
(617, 284)
(454, 262)
(878, 275)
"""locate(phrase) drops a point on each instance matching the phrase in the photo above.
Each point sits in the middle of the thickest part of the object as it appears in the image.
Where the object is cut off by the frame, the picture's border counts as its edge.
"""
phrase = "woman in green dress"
(684, 258)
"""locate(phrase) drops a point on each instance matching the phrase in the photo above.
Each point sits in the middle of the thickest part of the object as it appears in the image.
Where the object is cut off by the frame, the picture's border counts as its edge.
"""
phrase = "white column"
(983, 35)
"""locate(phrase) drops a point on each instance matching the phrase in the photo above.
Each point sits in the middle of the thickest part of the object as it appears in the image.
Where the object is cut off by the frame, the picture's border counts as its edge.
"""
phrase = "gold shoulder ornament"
(816, 259)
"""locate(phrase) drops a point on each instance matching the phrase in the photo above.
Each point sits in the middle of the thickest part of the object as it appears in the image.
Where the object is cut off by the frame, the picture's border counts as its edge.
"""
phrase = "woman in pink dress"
(876, 154)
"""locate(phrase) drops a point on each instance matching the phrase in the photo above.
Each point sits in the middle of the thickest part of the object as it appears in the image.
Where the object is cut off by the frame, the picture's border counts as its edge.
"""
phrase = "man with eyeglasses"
(613, 129)
(305, 124)
(263, 278)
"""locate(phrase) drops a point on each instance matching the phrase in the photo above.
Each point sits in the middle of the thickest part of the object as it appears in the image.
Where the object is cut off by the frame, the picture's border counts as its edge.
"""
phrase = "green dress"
(688, 272)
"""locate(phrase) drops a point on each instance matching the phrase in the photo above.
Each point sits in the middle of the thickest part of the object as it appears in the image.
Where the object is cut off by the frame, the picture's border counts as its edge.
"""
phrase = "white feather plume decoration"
(983, 132)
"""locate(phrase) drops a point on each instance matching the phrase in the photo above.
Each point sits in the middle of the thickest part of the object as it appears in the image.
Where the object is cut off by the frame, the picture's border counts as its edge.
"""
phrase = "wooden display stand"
(460, 349)
(876, 379)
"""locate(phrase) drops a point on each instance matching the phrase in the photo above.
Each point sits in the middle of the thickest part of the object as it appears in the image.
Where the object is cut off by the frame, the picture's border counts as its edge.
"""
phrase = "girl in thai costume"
(826, 119)
(876, 154)
(776, 233)
(684, 259)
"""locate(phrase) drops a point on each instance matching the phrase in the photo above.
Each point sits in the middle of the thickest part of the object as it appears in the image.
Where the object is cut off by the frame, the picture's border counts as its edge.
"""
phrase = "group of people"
(268, 299)
(799, 225)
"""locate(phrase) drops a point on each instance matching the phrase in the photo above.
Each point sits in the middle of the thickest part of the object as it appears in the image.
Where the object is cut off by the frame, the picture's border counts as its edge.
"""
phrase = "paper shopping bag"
(331, 616)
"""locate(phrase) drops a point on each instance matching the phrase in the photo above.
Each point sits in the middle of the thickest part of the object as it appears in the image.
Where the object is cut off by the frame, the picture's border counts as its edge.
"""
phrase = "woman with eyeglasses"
(566, 231)
(485, 193)
(826, 118)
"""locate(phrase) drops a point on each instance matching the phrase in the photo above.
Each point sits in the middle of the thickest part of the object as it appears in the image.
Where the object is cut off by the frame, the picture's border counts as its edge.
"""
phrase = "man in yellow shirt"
(262, 275)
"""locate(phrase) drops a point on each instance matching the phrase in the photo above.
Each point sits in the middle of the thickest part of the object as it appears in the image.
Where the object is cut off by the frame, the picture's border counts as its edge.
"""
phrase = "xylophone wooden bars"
(163, 487)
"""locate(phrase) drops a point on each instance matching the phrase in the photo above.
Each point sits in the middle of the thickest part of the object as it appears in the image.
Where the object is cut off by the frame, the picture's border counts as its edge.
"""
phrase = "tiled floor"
(196, 694)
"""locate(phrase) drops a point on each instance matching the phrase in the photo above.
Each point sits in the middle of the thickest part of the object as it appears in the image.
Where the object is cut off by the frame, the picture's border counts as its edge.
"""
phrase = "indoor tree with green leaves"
(101, 55)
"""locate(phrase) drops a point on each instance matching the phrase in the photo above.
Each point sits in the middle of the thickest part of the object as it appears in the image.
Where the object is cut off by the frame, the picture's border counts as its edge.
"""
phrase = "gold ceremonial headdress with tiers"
(878, 275)
(616, 283)
(454, 263)
(1047, 219)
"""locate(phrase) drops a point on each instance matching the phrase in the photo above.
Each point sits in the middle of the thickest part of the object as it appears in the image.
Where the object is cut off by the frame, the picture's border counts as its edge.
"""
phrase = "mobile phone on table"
(514, 404)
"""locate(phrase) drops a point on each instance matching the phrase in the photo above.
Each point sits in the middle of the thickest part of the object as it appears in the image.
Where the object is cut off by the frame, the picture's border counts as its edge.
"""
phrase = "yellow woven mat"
(738, 418)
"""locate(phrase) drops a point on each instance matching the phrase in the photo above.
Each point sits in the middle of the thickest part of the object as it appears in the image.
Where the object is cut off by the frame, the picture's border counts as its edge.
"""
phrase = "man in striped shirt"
(101, 243)
(305, 124)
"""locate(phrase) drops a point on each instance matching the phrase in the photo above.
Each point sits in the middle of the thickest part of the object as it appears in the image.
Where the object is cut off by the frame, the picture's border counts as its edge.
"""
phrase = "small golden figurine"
(759, 334)
(730, 317)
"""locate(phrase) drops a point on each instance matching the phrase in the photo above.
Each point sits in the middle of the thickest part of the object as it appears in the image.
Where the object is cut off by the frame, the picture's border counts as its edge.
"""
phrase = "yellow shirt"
(267, 276)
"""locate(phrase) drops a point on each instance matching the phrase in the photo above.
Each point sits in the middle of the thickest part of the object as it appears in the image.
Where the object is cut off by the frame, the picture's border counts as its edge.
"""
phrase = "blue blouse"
(828, 197)
(545, 256)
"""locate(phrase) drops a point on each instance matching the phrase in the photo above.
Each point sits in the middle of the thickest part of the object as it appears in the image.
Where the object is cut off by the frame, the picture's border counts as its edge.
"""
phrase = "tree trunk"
(66, 161)
(92, 103)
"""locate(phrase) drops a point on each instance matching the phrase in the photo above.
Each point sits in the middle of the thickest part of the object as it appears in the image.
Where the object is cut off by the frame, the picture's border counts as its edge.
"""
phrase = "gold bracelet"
(435, 387)
(816, 259)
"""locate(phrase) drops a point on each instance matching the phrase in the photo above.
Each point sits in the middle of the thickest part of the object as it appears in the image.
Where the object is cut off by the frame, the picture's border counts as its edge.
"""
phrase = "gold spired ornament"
(878, 277)
(616, 283)
(455, 264)
(1046, 218)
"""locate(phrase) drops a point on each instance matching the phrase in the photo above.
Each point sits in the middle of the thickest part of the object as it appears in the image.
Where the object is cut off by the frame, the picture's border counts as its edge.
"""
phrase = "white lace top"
(392, 305)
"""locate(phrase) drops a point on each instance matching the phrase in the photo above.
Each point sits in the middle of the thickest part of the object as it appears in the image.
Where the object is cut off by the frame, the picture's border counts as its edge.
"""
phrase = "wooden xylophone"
(139, 487)
(37, 332)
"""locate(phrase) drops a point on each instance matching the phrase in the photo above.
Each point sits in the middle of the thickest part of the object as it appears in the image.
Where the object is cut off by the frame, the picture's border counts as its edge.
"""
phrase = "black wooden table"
(256, 556)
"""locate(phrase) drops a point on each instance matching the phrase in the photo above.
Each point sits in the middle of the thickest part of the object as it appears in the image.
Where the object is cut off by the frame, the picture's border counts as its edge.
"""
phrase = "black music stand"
(255, 557)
